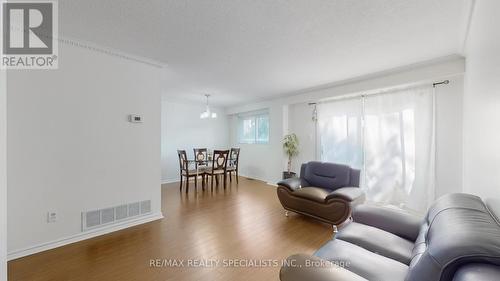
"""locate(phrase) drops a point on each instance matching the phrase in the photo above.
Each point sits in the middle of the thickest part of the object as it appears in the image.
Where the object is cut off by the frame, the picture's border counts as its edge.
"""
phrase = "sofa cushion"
(378, 241)
(312, 193)
(327, 175)
(364, 263)
(394, 220)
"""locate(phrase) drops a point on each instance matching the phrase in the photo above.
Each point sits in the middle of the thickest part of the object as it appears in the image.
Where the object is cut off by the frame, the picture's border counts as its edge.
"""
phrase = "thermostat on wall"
(134, 118)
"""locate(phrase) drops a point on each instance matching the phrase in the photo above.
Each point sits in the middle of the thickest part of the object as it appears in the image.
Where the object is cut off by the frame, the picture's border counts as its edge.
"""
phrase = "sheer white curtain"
(340, 132)
(392, 142)
(399, 147)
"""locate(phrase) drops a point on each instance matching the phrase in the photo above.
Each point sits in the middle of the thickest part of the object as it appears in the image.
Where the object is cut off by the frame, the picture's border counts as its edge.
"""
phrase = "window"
(254, 127)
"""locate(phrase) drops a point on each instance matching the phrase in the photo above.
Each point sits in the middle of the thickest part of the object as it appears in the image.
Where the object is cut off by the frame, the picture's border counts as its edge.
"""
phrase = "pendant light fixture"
(207, 113)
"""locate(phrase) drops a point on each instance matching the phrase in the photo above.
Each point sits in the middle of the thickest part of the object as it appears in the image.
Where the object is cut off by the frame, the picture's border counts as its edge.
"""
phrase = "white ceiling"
(246, 50)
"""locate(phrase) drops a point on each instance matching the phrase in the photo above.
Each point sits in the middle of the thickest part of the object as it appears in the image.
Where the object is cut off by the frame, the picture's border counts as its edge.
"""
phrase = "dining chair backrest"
(183, 161)
(234, 156)
(200, 155)
(219, 159)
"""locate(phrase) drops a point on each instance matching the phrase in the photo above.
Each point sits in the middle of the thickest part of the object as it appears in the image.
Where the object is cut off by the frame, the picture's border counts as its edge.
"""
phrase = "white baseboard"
(165, 181)
(82, 236)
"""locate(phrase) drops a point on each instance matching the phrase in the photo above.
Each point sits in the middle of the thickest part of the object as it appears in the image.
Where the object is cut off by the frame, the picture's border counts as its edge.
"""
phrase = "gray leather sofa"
(457, 240)
(324, 191)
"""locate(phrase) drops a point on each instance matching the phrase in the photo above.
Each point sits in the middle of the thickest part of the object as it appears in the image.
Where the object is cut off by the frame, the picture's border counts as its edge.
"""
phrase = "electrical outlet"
(51, 217)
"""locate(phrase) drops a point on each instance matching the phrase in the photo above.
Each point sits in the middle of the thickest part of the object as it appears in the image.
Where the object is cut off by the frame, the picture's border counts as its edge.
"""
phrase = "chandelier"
(207, 113)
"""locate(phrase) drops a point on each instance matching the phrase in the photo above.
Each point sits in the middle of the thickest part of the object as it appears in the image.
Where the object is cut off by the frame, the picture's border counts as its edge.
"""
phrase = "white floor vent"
(107, 216)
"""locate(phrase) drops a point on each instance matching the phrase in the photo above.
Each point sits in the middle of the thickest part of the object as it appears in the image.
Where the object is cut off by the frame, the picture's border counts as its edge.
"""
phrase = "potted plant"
(291, 148)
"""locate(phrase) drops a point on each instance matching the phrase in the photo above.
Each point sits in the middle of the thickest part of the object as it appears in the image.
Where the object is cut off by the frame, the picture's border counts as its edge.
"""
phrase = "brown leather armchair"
(324, 191)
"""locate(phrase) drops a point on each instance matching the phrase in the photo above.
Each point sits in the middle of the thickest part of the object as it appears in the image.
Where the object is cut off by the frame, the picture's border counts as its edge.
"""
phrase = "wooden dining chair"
(200, 155)
(185, 172)
(201, 162)
(234, 158)
(219, 167)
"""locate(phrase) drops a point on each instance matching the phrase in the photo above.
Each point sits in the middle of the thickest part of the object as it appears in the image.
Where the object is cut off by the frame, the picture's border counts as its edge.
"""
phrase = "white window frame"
(253, 116)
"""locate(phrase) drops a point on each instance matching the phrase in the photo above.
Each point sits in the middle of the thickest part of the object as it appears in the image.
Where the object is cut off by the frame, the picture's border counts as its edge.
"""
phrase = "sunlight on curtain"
(390, 136)
(340, 140)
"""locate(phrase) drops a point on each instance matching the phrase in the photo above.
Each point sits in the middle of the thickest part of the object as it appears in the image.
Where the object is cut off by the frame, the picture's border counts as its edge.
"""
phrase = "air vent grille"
(97, 218)
(134, 209)
(93, 218)
(121, 212)
(145, 207)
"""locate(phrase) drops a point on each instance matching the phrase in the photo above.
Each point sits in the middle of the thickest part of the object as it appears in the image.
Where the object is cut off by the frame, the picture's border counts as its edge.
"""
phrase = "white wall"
(71, 147)
(182, 128)
(3, 175)
(449, 131)
(299, 119)
(482, 102)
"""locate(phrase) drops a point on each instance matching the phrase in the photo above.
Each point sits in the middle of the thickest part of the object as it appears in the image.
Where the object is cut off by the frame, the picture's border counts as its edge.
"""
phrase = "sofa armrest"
(303, 267)
(293, 183)
(477, 271)
(350, 194)
(393, 220)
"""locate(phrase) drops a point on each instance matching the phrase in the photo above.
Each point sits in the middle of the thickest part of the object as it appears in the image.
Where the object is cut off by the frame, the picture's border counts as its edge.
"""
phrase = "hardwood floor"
(245, 222)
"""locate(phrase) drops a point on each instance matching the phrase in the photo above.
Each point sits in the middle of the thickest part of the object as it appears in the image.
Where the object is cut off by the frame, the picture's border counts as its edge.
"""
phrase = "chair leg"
(212, 184)
(187, 184)
(196, 182)
(180, 186)
(230, 178)
(237, 177)
(225, 180)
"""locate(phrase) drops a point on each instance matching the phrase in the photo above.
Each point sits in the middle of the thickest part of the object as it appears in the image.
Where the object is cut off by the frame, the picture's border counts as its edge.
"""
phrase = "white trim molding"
(109, 51)
(171, 180)
(82, 236)
(467, 22)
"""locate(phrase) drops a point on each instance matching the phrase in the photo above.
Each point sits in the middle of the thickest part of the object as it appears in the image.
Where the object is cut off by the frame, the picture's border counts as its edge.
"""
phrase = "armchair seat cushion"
(362, 262)
(319, 194)
(378, 241)
(312, 193)
(348, 193)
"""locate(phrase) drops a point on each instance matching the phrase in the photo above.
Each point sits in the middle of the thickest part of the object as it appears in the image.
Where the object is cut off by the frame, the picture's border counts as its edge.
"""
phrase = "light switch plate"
(51, 217)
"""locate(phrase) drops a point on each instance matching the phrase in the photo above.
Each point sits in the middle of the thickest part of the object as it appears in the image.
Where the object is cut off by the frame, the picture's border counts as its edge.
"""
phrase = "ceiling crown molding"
(109, 51)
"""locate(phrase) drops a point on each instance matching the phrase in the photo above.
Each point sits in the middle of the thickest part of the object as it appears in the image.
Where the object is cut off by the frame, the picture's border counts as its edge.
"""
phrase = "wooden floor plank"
(244, 222)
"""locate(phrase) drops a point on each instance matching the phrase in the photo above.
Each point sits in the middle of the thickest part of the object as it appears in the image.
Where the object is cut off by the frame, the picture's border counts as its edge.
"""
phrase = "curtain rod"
(354, 96)
(445, 82)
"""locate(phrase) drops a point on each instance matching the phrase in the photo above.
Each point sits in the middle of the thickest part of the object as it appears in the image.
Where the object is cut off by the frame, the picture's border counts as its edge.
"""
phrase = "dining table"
(207, 163)
(203, 164)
